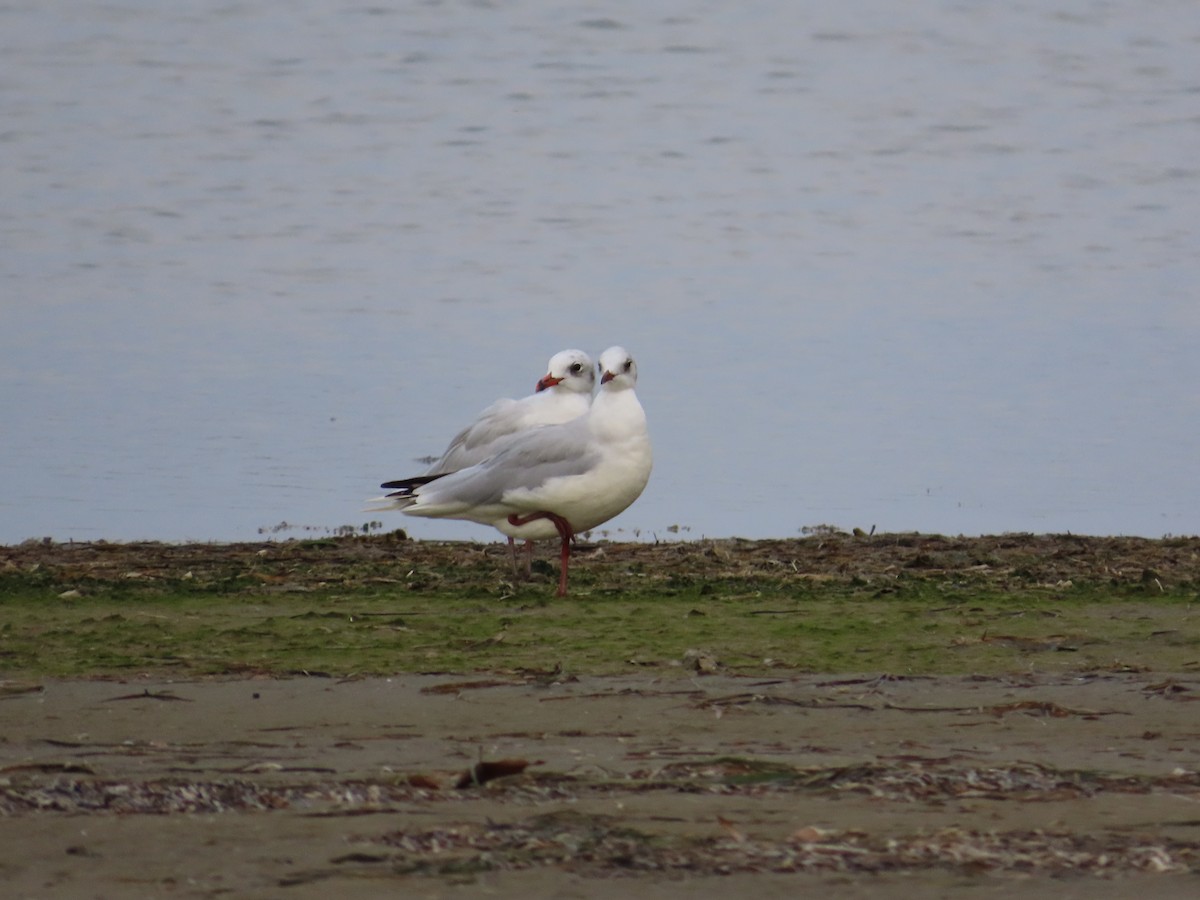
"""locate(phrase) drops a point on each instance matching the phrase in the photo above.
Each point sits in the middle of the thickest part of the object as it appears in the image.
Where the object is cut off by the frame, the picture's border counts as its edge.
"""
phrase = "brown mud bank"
(1083, 786)
(1002, 560)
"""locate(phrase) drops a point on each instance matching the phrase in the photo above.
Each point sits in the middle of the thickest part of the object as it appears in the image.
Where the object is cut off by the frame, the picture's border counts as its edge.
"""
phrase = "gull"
(552, 480)
(562, 394)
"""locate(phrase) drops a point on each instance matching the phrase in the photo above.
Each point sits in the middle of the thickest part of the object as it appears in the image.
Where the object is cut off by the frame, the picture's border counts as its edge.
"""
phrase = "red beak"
(547, 381)
(607, 377)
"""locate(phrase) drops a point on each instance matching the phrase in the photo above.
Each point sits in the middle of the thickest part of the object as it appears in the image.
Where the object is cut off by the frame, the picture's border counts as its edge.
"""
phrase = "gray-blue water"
(924, 265)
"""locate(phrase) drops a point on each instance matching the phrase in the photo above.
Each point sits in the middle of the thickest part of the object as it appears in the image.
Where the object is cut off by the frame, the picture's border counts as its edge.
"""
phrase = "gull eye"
(628, 364)
(576, 368)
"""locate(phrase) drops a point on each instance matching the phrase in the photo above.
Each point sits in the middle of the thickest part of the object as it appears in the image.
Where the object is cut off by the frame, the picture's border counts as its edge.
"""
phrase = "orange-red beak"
(547, 381)
(607, 377)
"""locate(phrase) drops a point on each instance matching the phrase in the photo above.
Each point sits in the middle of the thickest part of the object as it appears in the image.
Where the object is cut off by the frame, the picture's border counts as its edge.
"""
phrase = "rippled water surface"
(929, 265)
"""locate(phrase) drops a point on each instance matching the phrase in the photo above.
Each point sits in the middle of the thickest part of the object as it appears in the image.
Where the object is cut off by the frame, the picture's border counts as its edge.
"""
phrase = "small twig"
(151, 695)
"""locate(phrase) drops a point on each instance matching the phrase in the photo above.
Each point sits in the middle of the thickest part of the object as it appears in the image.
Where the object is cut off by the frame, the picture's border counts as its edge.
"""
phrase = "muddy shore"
(857, 785)
(651, 784)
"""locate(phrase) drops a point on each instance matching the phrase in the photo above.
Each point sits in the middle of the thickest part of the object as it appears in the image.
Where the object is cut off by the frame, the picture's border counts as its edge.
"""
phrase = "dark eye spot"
(576, 368)
(628, 364)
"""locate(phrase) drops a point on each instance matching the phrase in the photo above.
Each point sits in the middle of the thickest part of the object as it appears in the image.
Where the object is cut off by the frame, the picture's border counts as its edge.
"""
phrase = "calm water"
(929, 265)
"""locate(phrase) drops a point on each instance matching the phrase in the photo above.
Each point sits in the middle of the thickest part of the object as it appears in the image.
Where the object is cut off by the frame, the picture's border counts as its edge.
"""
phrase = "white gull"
(553, 480)
(562, 394)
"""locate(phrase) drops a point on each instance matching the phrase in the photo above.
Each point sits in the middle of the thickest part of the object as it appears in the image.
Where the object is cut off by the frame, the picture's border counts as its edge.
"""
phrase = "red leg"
(565, 531)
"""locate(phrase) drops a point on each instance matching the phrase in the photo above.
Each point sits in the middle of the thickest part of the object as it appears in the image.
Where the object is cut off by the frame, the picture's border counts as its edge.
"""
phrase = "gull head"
(617, 369)
(569, 370)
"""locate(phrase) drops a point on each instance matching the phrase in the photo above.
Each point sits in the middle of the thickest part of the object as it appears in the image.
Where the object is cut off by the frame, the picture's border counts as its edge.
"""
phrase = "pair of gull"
(553, 463)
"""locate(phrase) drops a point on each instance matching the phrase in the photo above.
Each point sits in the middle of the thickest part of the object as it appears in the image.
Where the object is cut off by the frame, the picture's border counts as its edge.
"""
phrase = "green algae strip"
(899, 604)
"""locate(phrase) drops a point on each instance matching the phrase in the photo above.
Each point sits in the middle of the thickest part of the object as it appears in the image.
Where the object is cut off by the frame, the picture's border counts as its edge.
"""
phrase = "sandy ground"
(701, 786)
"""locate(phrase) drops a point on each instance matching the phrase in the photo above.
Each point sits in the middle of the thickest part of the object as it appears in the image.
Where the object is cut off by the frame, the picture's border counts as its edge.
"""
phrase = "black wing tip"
(409, 484)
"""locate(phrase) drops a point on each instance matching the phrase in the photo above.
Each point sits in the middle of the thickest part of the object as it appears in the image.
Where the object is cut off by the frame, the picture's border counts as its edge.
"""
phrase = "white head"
(569, 370)
(617, 369)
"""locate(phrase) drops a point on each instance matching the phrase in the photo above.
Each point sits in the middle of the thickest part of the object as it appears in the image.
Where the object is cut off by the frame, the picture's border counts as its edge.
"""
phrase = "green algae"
(360, 606)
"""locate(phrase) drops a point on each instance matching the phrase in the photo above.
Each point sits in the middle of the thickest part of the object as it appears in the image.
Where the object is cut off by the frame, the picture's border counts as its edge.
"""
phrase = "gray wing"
(526, 462)
(473, 444)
